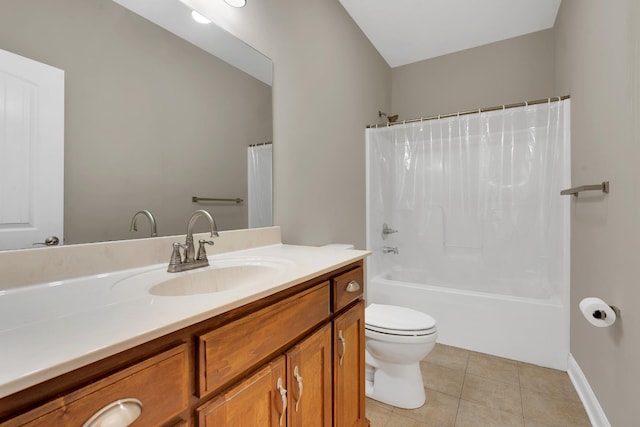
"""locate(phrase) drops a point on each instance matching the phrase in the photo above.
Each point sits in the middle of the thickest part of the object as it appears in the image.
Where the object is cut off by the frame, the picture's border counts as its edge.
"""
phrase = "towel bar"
(196, 199)
(604, 187)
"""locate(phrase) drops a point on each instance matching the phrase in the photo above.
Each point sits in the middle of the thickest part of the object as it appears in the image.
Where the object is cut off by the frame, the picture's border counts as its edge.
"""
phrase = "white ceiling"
(174, 16)
(407, 31)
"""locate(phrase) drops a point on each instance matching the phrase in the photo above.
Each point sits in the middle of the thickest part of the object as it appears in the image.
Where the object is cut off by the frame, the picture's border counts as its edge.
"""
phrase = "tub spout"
(390, 249)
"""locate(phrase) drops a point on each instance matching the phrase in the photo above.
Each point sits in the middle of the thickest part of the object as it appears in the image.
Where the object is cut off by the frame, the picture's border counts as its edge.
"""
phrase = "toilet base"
(396, 385)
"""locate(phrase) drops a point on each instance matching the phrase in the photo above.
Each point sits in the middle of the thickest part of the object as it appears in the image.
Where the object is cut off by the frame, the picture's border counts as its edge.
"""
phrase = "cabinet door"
(348, 368)
(309, 379)
(258, 401)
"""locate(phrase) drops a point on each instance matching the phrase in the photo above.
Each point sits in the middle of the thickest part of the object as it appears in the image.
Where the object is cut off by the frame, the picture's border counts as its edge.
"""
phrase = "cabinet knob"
(122, 412)
(283, 395)
(353, 286)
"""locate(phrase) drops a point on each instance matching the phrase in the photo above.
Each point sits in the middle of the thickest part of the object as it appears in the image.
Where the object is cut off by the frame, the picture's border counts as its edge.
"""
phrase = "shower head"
(390, 119)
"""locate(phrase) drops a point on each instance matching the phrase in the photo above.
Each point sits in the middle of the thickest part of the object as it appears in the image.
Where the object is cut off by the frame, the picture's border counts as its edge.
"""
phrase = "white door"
(31, 151)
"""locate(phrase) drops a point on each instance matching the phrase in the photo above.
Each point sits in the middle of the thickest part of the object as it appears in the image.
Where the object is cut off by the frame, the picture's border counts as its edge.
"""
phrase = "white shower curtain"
(259, 167)
(472, 196)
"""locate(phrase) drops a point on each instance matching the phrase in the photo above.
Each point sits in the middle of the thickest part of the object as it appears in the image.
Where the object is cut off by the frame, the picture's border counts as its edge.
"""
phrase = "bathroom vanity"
(284, 350)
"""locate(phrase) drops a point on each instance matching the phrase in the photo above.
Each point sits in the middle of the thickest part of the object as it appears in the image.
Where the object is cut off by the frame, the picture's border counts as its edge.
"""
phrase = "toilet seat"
(399, 321)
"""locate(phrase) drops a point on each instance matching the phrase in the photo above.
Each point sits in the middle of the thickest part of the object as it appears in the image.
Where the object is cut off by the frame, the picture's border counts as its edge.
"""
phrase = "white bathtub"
(532, 329)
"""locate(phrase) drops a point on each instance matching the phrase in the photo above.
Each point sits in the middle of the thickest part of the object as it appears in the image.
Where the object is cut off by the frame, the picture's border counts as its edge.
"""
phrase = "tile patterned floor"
(469, 389)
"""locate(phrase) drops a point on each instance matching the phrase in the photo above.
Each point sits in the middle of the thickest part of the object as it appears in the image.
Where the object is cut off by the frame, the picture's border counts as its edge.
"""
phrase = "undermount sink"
(221, 275)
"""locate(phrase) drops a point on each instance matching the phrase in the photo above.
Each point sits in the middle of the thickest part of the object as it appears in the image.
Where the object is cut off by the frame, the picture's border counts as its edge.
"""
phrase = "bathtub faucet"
(386, 231)
(390, 249)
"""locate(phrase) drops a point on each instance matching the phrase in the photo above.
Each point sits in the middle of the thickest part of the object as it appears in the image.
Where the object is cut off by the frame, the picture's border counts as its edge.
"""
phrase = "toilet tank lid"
(397, 318)
(339, 246)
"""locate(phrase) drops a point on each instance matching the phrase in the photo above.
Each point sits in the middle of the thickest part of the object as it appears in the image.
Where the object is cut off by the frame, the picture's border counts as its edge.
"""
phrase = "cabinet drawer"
(160, 383)
(227, 352)
(346, 288)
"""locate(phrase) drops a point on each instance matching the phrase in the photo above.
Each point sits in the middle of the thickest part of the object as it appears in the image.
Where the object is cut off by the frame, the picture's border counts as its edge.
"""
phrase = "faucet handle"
(176, 257)
(202, 253)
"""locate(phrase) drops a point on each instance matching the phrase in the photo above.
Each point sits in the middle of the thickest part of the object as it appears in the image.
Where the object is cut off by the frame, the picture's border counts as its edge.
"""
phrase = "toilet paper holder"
(601, 314)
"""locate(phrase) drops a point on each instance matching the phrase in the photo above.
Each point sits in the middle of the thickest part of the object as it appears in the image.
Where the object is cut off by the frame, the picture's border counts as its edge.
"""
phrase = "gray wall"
(505, 72)
(329, 83)
(150, 120)
(598, 63)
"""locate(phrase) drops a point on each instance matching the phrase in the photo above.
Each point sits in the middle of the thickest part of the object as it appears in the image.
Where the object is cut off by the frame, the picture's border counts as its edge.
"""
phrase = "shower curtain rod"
(479, 110)
(260, 143)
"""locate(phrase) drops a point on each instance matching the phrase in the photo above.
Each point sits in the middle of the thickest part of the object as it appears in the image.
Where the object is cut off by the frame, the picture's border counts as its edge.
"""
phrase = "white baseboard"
(596, 415)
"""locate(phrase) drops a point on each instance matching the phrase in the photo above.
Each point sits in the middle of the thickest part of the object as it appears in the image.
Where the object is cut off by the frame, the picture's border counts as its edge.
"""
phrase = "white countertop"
(52, 328)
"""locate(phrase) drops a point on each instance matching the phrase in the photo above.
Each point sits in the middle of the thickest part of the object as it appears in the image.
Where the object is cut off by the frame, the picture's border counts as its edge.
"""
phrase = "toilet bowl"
(397, 338)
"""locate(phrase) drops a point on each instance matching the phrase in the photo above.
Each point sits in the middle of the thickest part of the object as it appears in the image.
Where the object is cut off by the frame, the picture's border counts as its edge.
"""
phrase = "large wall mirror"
(152, 117)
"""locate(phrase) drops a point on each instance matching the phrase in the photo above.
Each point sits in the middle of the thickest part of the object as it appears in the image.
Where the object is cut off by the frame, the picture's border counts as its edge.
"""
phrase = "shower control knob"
(386, 230)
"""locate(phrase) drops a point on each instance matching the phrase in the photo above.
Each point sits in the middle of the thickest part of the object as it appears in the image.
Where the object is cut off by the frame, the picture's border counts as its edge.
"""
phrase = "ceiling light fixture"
(199, 18)
(236, 3)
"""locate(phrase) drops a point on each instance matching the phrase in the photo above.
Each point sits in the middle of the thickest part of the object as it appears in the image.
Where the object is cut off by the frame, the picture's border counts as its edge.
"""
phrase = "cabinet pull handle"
(283, 395)
(122, 412)
(344, 345)
(298, 378)
(353, 286)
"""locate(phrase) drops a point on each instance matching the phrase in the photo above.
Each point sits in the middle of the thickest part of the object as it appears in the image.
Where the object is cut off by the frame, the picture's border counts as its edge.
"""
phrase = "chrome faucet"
(150, 217)
(386, 231)
(191, 260)
(390, 249)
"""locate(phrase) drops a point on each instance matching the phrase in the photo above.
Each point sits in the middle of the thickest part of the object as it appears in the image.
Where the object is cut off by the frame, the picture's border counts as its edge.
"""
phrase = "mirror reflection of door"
(31, 152)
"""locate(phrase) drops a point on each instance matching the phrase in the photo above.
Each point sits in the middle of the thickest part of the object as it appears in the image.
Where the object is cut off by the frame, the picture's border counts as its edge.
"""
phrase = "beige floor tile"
(449, 357)
(552, 410)
(496, 368)
(442, 379)
(535, 424)
(547, 381)
(439, 410)
(471, 414)
(377, 413)
(494, 394)
(400, 421)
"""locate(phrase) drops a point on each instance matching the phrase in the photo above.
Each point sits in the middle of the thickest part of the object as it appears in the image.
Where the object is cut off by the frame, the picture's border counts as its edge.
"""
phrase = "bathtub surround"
(482, 229)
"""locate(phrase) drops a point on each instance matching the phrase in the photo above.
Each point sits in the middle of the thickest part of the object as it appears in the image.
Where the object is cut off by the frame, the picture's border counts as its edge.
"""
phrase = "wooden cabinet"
(229, 351)
(258, 401)
(292, 390)
(349, 368)
(309, 381)
(158, 387)
(293, 359)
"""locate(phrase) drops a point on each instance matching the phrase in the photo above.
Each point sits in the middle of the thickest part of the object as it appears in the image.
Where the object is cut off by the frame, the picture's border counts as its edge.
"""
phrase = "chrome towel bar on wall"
(604, 187)
(196, 199)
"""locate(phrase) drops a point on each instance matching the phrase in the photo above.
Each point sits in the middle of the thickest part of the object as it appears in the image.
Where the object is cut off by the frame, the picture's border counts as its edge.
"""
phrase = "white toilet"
(397, 338)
